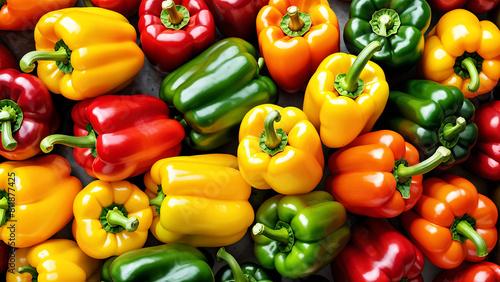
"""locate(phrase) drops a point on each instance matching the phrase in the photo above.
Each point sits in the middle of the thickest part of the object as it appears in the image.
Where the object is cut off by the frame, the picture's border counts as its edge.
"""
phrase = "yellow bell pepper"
(84, 52)
(53, 260)
(462, 51)
(111, 218)
(36, 199)
(199, 200)
(345, 96)
(289, 159)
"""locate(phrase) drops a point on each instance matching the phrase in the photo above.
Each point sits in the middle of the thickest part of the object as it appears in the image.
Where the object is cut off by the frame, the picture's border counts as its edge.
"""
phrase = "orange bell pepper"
(56, 260)
(346, 96)
(289, 159)
(452, 222)
(379, 174)
(111, 218)
(36, 199)
(24, 14)
(294, 37)
(462, 51)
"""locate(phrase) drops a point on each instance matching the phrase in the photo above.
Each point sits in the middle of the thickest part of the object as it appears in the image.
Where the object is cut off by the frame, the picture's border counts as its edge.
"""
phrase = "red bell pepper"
(119, 136)
(7, 60)
(378, 252)
(236, 18)
(171, 34)
(470, 272)
(484, 159)
(475, 6)
(27, 114)
(124, 7)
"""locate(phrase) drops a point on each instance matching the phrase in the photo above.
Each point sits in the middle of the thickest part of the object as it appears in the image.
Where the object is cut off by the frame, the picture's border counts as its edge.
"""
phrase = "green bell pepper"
(167, 262)
(215, 90)
(429, 115)
(246, 272)
(399, 25)
(299, 234)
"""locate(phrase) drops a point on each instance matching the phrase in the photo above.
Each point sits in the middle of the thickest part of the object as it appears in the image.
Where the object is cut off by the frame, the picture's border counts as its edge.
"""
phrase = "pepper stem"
(88, 3)
(281, 235)
(47, 144)
(29, 269)
(451, 131)
(464, 228)
(174, 16)
(156, 201)
(295, 23)
(7, 117)
(116, 218)
(4, 207)
(385, 23)
(27, 62)
(469, 64)
(239, 276)
(273, 140)
(442, 154)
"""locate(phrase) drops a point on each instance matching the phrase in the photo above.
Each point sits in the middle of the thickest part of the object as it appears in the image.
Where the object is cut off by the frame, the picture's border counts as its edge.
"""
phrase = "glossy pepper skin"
(428, 115)
(34, 209)
(398, 25)
(27, 114)
(127, 8)
(23, 15)
(200, 200)
(378, 252)
(470, 272)
(236, 18)
(293, 43)
(233, 272)
(215, 90)
(475, 6)
(111, 218)
(460, 51)
(169, 42)
(288, 159)
(451, 222)
(378, 174)
(346, 96)
(98, 53)
(7, 60)
(485, 158)
(57, 260)
(112, 132)
(167, 262)
(299, 234)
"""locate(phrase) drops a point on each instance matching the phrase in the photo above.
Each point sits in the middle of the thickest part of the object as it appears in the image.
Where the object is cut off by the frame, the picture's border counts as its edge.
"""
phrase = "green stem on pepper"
(4, 207)
(281, 235)
(464, 228)
(239, 276)
(61, 55)
(158, 200)
(451, 131)
(403, 172)
(295, 23)
(470, 65)
(88, 3)
(174, 16)
(385, 22)
(29, 269)
(116, 218)
(272, 141)
(7, 118)
(88, 141)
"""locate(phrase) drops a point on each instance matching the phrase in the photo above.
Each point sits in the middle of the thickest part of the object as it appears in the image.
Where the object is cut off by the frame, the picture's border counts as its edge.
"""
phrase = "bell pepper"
(127, 8)
(233, 272)
(378, 174)
(475, 6)
(346, 96)
(236, 18)
(215, 90)
(461, 50)
(84, 52)
(7, 60)
(289, 159)
(200, 200)
(476, 272)
(111, 218)
(172, 33)
(428, 115)
(27, 114)
(378, 252)
(451, 222)
(298, 235)
(23, 15)
(398, 25)
(294, 37)
(32, 209)
(58, 260)
(167, 262)
(485, 157)
(112, 132)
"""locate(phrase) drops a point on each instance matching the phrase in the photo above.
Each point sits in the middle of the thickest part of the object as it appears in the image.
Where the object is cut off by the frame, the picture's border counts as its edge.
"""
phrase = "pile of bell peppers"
(246, 140)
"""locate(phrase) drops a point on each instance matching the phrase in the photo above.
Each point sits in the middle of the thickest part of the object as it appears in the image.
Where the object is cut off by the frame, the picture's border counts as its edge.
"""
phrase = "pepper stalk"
(463, 228)
(239, 276)
(11, 117)
(272, 141)
(174, 16)
(62, 56)
(89, 141)
(29, 269)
